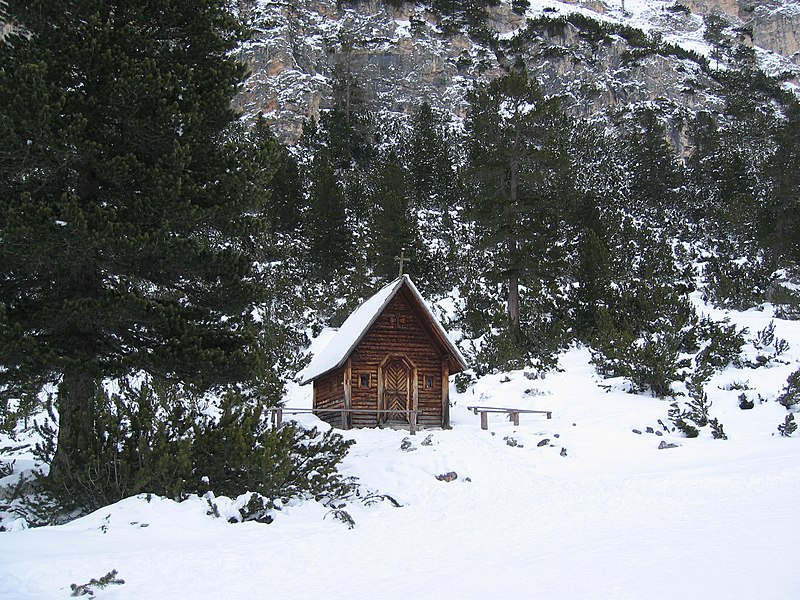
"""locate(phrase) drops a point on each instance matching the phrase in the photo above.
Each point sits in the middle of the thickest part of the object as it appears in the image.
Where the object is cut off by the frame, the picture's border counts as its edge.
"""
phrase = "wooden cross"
(402, 259)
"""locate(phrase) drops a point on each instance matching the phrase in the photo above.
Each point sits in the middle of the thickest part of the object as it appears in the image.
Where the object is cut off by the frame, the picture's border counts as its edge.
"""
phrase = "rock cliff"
(603, 56)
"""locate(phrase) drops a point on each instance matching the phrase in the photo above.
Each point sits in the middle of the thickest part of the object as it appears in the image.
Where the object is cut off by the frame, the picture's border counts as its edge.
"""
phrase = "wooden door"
(396, 384)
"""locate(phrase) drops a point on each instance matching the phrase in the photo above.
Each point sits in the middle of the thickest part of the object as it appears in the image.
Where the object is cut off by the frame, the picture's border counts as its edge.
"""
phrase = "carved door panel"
(396, 379)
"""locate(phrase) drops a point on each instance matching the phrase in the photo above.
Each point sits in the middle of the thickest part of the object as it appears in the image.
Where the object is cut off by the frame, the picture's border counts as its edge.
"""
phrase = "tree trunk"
(513, 259)
(76, 420)
(513, 302)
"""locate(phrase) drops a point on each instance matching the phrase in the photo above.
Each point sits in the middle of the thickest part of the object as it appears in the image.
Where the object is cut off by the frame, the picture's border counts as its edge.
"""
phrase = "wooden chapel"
(388, 365)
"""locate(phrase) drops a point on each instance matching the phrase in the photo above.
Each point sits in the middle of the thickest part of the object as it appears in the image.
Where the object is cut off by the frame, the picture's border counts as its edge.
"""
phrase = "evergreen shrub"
(650, 363)
(520, 6)
(738, 285)
(238, 452)
(463, 381)
(745, 403)
(645, 343)
(140, 443)
(788, 427)
(679, 8)
(723, 342)
(537, 345)
(698, 404)
(716, 430)
(790, 396)
(501, 351)
(787, 304)
(681, 418)
(88, 589)
(150, 439)
(785, 299)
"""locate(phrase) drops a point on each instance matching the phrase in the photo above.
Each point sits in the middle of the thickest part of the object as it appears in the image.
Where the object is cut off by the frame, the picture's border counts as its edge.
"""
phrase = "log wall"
(399, 331)
(329, 393)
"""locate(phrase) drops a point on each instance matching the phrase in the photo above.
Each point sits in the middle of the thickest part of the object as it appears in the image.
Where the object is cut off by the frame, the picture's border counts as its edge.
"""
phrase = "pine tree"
(394, 227)
(725, 178)
(330, 239)
(431, 164)
(783, 232)
(517, 168)
(126, 204)
(594, 281)
(349, 125)
(714, 34)
(436, 196)
(655, 175)
(287, 204)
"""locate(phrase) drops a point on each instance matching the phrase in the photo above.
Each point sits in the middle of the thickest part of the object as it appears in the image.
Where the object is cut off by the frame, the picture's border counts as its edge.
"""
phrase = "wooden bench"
(512, 412)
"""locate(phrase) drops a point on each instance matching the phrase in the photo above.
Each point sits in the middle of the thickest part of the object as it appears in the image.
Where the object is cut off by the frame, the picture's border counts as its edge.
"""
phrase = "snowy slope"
(616, 517)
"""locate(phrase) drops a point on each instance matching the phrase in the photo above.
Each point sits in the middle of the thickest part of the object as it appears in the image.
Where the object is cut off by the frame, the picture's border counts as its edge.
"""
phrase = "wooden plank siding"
(401, 339)
(329, 393)
(398, 332)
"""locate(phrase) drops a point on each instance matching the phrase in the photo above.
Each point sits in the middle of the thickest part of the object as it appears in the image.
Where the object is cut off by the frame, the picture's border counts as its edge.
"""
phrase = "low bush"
(790, 396)
(738, 284)
(156, 439)
(788, 427)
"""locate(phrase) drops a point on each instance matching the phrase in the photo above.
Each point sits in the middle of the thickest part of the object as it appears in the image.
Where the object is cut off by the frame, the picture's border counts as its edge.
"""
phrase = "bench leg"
(484, 420)
(549, 415)
(515, 418)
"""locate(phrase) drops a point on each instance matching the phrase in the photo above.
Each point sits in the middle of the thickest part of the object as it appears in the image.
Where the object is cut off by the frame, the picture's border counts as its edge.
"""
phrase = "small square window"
(364, 380)
(429, 382)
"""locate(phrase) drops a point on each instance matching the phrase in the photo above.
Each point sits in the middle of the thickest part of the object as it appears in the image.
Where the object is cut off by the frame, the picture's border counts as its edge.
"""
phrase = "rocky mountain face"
(602, 56)
(773, 26)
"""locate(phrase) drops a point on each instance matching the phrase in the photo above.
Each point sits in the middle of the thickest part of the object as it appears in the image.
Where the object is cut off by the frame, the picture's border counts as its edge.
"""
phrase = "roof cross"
(401, 259)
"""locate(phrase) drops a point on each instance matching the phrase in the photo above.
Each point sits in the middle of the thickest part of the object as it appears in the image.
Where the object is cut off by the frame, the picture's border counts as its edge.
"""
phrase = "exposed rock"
(664, 445)
(406, 445)
(401, 58)
(563, 451)
(775, 25)
(777, 30)
(544, 442)
(510, 441)
(449, 476)
(428, 441)
(636, 431)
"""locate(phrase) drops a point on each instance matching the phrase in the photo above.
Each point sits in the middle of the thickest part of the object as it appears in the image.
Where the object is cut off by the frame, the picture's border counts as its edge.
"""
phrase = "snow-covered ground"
(615, 517)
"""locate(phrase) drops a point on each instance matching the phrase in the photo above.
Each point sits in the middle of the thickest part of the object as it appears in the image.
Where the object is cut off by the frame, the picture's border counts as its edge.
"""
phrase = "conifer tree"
(127, 207)
(517, 163)
(330, 239)
(349, 125)
(784, 203)
(723, 176)
(433, 178)
(436, 196)
(655, 175)
(287, 203)
(594, 281)
(394, 228)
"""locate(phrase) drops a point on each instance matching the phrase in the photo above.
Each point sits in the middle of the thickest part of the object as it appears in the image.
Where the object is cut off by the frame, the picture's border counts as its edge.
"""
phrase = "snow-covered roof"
(357, 324)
